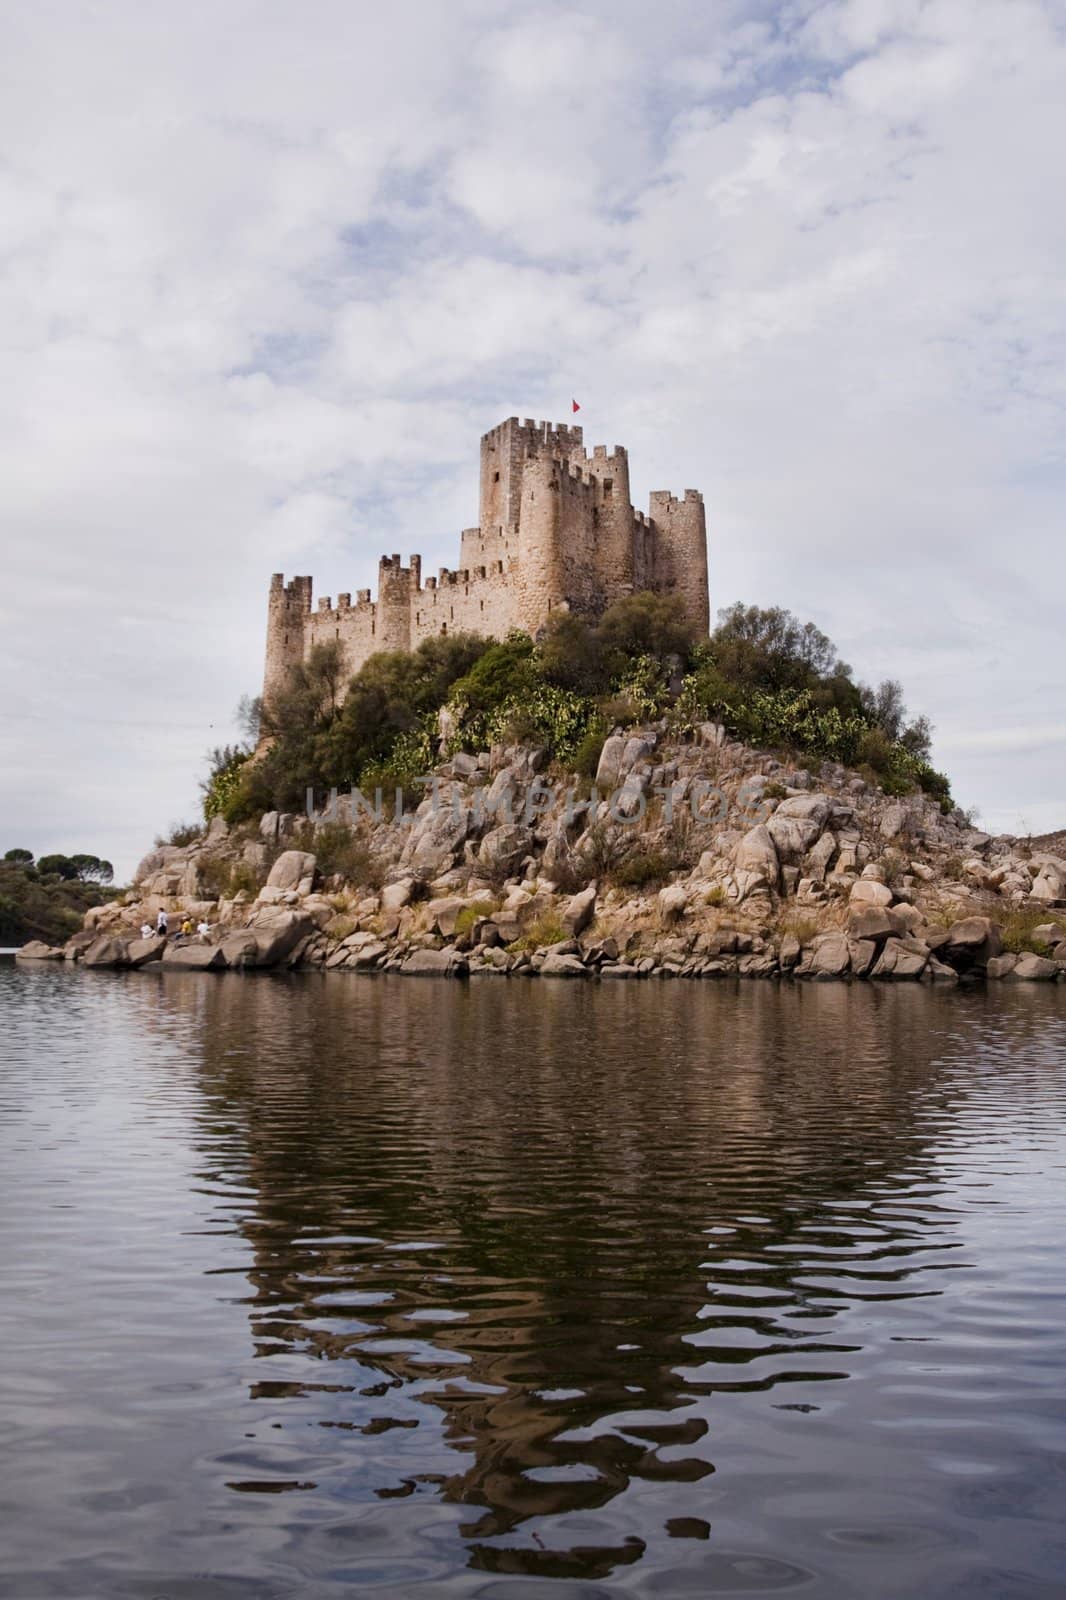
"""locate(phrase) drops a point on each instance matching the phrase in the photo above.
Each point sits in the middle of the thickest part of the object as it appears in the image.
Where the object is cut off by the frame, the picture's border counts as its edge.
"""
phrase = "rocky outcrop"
(37, 950)
(697, 858)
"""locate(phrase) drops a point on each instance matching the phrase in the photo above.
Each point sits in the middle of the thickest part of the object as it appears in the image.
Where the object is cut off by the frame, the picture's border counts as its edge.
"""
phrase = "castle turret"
(611, 536)
(540, 578)
(394, 603)
(288, 609)
(680, 553)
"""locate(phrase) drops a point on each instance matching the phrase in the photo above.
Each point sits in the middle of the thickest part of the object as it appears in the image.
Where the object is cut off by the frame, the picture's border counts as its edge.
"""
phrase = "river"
(319, 1283)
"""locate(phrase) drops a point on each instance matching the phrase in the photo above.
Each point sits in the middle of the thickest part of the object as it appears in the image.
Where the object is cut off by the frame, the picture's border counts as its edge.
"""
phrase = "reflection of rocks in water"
(565, 1220)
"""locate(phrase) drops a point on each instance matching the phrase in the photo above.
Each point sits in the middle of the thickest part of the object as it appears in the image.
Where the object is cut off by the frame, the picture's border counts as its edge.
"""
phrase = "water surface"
(322, 1283)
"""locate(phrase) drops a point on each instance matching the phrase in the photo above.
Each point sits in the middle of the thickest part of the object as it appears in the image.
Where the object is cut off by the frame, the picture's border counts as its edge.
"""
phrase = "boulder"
(140, 951)
(107, 951)
(435, 964)
(1049, 934)
(198, 957)
(1050, 882)
(240, 949)
(790, 952)
(579, 911)
(672, 902)
(37, 950)
(560, 966)
(437, 834)
(1034, 969)
(828, 957)
(503, 849)
(793, 836)
(609, 767)
(443, 914)
(893, 821)
(277, 933)
(971, 944)
(367, 956)
(813, 808)
(291, 869)
(819, 857)
(871, 922)
(1000, 966)
(756, 854)
(901, 958)
(863, 954)
(621, 969)
(869, 892)
(395, 896)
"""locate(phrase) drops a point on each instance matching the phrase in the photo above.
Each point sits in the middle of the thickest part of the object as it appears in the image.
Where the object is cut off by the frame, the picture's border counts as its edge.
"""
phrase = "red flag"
(574, 406)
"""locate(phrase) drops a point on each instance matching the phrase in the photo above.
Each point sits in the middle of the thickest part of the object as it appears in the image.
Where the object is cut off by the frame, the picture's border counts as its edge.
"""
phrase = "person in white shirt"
(203, 929)
(146, 930)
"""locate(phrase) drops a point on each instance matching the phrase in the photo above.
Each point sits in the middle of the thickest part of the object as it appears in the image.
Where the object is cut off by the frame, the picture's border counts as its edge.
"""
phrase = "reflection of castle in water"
(564, 1234)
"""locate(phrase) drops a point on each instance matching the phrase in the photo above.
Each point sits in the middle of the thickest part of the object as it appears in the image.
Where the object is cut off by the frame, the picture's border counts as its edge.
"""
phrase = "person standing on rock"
(161, 922)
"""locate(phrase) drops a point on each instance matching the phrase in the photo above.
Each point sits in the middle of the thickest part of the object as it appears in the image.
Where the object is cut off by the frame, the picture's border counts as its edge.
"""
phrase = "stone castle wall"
(557, 531)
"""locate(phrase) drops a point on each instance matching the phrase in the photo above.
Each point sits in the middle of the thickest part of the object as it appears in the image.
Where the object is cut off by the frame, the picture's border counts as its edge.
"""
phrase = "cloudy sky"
(268, 272)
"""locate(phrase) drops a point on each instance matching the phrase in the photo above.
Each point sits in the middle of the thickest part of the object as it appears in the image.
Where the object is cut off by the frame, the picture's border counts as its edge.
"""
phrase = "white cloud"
(267, 274)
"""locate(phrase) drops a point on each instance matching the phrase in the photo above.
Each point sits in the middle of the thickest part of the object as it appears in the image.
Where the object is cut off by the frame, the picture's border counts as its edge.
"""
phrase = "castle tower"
(504, 451)
(611, 537)
(288, 610)
(395, 588)
(680, 553)
(540, 583)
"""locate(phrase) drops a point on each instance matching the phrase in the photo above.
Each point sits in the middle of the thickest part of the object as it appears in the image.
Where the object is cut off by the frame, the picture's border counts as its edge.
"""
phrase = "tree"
(644, 625)
(771, 649)
(19, 858)
(91, 869)
(570, 654)
(58, 866)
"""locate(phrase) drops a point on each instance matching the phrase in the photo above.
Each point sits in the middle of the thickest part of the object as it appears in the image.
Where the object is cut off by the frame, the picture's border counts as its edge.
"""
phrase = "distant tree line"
(47, 897)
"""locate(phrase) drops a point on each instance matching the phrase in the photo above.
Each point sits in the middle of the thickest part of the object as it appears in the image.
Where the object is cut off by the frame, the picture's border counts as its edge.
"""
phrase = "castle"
(557, 531)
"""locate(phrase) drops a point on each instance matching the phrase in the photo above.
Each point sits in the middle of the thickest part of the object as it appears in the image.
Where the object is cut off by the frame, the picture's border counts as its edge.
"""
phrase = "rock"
(37, 950)
(290, 870)
(621, 969)
(268, 826)
(1034, 969)
(863, 954)
(637, 749)
(1048, 935)
(893, 821)
(141, 951)
(107, 951)
(199, 957)
(814, 808)
(579, 911)
(819, 857)
(240, 949)
(868, 892)
(790, 952)
(756, 854)
(901, 958)
(503, 848)
(908, 918)
(435, 964)
(937, 972)
(828, 957)
(277, 933)
(443, 914)
(672, 902)
(1001, 966)
(369, 955)
(437, 834)
(971, 944)
(792, 836)
(871, 922)
(560, 966)
(609, 767)
(628, 802)
(1050, 882)
(395, 896)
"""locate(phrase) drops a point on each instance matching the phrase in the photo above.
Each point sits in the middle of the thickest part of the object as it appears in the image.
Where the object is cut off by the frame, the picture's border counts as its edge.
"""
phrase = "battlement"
(557, 531)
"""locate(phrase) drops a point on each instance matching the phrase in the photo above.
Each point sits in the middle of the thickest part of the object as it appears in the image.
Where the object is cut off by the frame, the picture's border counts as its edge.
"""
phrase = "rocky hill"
(694, 857)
